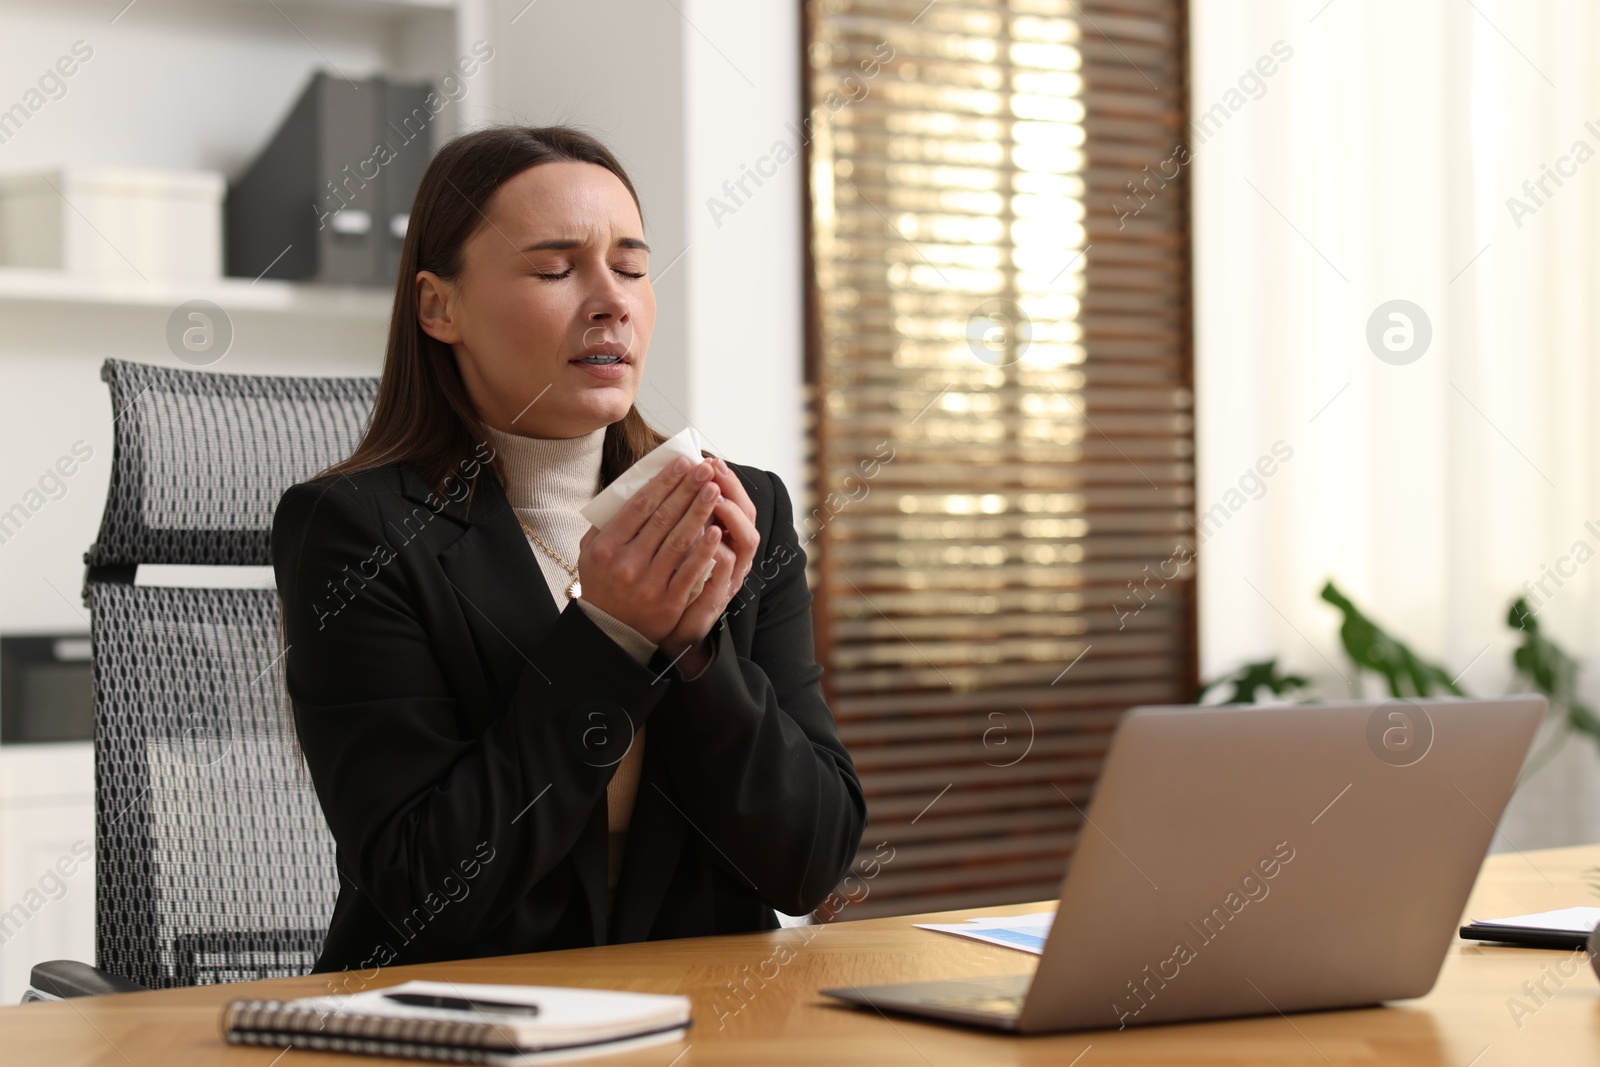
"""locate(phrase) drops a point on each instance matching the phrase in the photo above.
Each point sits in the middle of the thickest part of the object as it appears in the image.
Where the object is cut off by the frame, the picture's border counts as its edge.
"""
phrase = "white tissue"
(603, 508)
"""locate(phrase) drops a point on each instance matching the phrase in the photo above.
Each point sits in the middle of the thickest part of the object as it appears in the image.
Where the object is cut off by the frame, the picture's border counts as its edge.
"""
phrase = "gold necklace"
(575, 589)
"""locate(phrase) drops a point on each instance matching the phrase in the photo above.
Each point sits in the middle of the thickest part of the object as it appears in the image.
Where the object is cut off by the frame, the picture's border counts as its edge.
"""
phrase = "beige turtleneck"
(547, 481)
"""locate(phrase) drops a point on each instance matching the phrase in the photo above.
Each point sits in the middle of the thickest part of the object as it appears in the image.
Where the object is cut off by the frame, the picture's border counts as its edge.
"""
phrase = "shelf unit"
(185, 84)
(19, 285)
(408, 37)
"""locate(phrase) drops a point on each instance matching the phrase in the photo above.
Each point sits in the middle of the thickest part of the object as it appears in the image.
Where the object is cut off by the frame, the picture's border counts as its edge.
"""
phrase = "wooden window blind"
(1001, 503)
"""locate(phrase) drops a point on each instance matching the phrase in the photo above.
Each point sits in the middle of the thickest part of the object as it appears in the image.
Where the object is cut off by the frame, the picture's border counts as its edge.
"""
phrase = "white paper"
(603, 508)
(1036, 918)
(1026, 933)
(590, 1052)
(1573, 920)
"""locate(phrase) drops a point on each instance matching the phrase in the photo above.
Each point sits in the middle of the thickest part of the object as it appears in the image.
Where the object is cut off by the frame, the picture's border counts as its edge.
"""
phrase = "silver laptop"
(1254, 860)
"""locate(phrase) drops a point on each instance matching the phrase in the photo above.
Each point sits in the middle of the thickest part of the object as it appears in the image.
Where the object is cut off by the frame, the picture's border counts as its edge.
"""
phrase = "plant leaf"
(1550, 669)
(1371, 648)
(1253, 677)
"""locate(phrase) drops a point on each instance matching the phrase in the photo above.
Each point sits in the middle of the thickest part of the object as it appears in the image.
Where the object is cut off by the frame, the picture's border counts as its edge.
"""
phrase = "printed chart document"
(1025, 932)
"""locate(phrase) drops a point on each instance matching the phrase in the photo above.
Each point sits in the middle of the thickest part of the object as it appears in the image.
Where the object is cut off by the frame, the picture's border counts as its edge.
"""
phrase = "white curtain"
(1376, 163)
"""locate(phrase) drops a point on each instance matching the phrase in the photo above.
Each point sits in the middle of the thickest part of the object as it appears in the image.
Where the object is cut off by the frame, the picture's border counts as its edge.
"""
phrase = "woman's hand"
(733, 490)
(644, 565)
(734, 554)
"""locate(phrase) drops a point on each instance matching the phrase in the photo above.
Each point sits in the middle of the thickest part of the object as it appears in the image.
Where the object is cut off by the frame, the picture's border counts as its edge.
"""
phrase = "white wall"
(745, 288)
(46, 884)
(684, 94)
(1376, 164)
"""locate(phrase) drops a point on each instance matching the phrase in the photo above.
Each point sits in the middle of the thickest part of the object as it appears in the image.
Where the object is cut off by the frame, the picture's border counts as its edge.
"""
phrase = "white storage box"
(114, 223)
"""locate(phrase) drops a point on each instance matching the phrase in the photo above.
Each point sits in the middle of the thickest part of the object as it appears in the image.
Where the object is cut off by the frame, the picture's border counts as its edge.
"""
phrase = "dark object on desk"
(61, 979)
(213, 861)
(329, 197)
(1525, 936)
(429, 1000)
(46, 689)
(1562, 928)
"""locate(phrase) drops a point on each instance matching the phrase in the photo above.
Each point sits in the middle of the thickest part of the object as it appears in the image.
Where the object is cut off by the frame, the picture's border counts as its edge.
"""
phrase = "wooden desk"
(1467, 1021)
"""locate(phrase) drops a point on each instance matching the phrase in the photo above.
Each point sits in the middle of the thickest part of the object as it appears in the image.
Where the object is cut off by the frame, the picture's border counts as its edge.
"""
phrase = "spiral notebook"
(464, 1023)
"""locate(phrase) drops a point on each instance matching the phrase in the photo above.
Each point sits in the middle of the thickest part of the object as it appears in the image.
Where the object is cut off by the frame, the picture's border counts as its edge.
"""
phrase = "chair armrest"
(60, 979)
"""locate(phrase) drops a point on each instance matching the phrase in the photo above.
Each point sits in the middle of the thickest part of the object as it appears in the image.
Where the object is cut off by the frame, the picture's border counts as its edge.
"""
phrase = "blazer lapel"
(501, 590)
(508, 609)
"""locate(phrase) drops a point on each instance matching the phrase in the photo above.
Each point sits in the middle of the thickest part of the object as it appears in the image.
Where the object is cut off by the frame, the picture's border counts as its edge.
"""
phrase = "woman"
(525, 733)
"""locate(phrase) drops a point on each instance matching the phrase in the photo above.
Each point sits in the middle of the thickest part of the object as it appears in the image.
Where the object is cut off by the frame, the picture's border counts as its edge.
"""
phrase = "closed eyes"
(568, 272)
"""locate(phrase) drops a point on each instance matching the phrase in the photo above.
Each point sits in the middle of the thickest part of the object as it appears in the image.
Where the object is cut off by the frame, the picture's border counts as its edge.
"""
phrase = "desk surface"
(1469, 1020)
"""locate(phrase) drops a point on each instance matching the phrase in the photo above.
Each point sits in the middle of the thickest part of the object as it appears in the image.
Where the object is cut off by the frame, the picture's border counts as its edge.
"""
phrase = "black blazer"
(460, 731)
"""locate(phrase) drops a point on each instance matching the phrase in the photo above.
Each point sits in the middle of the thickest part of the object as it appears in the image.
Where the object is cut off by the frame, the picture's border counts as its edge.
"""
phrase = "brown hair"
(423, 416)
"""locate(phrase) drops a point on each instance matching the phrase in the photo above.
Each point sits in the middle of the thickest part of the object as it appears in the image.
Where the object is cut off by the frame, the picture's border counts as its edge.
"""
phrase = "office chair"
(212, 859)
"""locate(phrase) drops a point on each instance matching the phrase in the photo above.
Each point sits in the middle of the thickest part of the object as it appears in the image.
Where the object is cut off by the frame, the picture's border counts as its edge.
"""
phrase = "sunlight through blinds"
(1000, 418)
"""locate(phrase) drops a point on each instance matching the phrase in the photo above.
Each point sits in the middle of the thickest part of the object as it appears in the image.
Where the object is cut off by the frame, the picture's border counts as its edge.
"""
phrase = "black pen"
(428, 1000)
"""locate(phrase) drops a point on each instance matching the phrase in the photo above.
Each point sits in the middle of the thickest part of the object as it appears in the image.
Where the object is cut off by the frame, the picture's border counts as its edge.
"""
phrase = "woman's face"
(557, 273)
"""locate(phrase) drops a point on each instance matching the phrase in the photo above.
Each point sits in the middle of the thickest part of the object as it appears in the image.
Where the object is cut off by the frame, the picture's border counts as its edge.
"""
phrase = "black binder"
(327, 199)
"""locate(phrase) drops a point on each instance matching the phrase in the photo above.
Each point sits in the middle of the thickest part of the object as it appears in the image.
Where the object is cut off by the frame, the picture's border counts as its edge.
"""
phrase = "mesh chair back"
(213, 861)
(201, 459)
